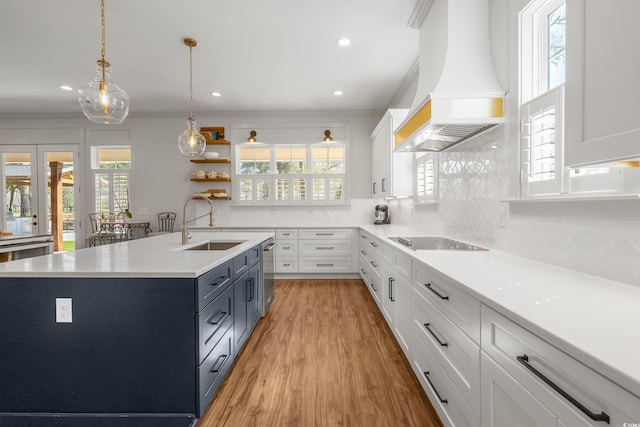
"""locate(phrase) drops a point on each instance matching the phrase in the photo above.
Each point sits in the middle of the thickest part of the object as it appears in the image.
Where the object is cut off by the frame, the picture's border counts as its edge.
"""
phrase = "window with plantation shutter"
(426, 185)
(290, 174)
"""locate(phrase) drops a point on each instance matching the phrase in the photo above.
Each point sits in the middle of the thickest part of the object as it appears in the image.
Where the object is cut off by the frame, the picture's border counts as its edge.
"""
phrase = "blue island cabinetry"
(138, 352)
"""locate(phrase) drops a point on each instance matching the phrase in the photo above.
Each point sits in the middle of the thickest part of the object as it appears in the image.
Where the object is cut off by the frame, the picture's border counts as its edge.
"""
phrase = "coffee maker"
(382, 215)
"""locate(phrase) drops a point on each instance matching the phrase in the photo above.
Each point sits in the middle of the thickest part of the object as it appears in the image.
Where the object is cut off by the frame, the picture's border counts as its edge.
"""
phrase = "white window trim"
(95, 169)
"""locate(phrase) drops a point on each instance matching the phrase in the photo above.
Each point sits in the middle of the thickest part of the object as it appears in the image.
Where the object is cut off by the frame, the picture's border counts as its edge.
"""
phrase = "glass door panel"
(19, 173)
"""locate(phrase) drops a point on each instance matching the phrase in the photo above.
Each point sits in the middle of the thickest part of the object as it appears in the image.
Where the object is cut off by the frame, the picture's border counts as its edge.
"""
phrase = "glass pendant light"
(101, 100)
(191, 142)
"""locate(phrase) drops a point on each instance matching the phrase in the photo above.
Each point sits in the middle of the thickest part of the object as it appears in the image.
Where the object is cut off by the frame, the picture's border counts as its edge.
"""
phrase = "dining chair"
(95, 236)
(166, 222)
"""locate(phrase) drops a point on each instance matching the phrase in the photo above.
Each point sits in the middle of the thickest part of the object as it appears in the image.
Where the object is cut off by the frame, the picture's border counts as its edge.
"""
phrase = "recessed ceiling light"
(337, 93)
(65, 87)
(344, 42)
(216, 94)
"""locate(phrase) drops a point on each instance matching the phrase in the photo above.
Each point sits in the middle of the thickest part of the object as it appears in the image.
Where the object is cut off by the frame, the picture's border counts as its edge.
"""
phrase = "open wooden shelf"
(210, 160)
(218, 142)
(211, 179)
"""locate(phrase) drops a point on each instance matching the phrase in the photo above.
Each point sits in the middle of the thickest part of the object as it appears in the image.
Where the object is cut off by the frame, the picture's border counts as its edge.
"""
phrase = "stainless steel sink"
(435, 244)
(214, 246)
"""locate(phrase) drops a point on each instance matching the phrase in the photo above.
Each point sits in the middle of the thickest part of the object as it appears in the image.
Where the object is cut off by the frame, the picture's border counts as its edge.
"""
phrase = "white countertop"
(158, 256)
(595, 320)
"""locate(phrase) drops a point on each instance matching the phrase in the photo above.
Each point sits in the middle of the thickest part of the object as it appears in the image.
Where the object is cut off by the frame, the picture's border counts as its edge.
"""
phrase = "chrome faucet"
(185, 222)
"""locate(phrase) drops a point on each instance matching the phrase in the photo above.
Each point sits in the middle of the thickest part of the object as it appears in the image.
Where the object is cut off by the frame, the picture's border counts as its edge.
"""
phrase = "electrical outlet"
(503, 216)
(64, 312)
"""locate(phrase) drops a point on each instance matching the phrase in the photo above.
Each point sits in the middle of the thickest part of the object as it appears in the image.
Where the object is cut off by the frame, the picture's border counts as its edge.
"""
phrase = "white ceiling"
(262, 55)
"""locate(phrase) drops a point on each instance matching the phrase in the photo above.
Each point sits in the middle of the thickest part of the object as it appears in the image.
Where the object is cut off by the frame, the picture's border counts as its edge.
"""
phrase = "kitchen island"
(135, 333)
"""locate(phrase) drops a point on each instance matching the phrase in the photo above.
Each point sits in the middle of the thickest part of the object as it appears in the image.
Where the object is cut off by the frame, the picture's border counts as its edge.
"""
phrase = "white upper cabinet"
(603, 82)
(391, 173)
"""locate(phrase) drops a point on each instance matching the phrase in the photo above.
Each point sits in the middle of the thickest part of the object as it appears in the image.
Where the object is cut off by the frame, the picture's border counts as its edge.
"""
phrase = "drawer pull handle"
(215, 322)
(286, 234)
(428, 285)
(373, 264)
(374, 244)
(287, 264)
(215, 281)
(219, 363)
(363, 272)
(286, 247)
(324, 234)
(324, 265)
(373, 287)
(427, 326)
(426, 375)
(363, 237)
(524, 360)
(329, 248)
(363, 252)
(391, 280)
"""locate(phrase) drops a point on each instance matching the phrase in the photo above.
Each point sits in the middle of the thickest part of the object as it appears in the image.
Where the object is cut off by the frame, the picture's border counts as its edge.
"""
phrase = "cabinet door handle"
(363, 252)
(427, 326)
(326, 248)
(428, 285)
(391, 280)
(383, 180)
(249, 287)
(219, 363)
(215, 322)
(426, 375)
(324, 265)
(373, 264)
(524, 360)
(374, 188)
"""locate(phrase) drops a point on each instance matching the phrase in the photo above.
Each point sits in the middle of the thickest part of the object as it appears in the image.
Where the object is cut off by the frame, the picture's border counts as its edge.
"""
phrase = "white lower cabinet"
(504, 400)
(574, 394)
(396, 305)
(445, 398)
(315, 250)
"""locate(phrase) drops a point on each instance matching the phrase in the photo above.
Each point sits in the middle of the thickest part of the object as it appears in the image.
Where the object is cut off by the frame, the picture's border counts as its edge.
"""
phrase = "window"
(426, 178)
(542, 77)
(110, 169)
(290, 174)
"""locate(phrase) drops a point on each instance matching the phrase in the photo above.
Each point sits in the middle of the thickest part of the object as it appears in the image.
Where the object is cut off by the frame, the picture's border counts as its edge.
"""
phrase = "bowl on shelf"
(219, 195)
(211, 155)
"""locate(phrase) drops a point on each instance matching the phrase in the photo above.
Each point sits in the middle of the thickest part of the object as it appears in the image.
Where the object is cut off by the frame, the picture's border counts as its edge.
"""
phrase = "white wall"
(160, 180)
(597, 237)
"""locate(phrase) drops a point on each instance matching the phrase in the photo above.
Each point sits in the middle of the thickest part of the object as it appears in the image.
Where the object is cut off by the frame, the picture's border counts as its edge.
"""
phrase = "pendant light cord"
(190, 83)
(104, 42)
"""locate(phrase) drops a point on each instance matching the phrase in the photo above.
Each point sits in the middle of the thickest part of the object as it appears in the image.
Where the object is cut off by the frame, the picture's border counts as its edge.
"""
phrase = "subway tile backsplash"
(475, 179)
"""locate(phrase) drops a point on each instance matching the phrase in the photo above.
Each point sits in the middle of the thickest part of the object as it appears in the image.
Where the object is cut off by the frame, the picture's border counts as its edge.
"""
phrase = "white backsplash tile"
(474, 182)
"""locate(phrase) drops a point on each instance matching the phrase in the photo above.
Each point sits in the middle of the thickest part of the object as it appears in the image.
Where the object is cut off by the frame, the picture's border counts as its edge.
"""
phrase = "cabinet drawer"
(324, 248)
(287, 247)
(444, 397)
(213, 370)
(213, 282)
(400, 261)
(457, 305)
(286, 234)
(322, 233)
(325, 265)
(508, 343)
(286, 265)
(242, 262)
(214, 321)
(455, 352)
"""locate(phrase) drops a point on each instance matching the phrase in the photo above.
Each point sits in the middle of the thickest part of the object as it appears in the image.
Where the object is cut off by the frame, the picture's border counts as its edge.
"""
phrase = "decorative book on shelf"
(214, 135)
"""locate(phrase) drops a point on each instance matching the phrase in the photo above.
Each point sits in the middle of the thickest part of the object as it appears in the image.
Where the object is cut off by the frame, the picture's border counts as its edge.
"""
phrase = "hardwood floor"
(323, 356)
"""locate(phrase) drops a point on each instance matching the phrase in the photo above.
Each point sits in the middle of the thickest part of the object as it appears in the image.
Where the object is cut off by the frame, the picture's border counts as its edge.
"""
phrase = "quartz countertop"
(593, 319)
(158, 256)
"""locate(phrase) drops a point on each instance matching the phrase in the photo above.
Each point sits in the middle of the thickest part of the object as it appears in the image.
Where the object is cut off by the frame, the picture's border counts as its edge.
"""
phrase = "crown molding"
(420, 11)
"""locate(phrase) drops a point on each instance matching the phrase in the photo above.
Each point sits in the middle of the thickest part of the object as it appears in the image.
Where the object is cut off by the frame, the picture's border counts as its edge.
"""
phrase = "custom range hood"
(467, 99)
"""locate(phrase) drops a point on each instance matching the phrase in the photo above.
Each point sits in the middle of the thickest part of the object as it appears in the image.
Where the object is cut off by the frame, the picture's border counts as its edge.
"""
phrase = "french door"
(41, 191)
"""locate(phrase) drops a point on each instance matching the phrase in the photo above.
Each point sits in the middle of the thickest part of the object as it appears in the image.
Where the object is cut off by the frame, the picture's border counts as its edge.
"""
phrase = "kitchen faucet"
(185, 222)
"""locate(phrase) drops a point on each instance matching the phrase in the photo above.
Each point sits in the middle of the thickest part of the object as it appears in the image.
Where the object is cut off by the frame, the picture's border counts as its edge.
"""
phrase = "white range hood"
(468, 98)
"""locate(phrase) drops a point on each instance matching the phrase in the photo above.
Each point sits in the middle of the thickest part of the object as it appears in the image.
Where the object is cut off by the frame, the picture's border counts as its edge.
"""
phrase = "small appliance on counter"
(382, 215)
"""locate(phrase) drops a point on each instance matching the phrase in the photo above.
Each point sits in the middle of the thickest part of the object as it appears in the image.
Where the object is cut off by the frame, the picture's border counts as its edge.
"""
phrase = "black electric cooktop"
(435, 244)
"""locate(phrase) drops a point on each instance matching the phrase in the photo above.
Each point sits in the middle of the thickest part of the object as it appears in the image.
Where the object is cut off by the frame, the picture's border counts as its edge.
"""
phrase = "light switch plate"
(64, 312)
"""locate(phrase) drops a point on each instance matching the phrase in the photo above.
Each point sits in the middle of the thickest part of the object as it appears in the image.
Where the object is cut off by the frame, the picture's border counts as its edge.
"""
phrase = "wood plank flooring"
(323, 356)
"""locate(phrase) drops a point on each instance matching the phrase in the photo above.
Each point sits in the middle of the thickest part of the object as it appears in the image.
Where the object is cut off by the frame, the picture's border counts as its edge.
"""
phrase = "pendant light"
(191, 142)
(101, 100)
